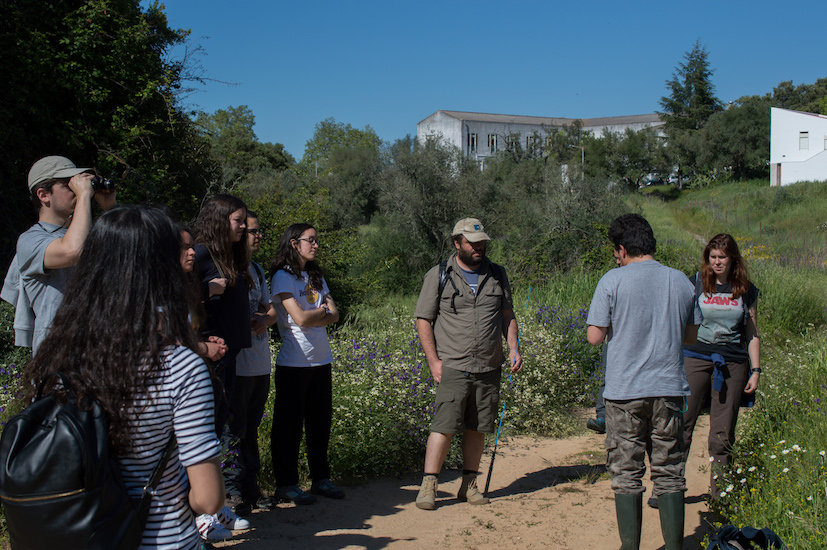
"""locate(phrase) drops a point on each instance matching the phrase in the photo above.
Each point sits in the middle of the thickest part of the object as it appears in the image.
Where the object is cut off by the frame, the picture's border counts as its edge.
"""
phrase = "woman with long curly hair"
(122, 336)
(718, 364)
(222, 262)
(304, 387)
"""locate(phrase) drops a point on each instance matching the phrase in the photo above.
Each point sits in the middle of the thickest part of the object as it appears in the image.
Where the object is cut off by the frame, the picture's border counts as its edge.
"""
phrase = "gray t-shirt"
(43, 287)
(646, 306)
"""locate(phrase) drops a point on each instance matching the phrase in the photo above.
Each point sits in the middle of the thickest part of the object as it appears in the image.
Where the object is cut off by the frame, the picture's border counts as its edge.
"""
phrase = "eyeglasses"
(311, 240)
(258, 232)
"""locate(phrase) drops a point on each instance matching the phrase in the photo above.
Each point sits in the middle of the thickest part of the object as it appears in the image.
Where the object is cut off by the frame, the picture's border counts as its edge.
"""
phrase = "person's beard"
(468, 257)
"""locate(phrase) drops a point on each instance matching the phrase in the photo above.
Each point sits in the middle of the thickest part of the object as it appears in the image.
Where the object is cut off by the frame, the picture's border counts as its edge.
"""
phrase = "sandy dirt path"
(546, 493)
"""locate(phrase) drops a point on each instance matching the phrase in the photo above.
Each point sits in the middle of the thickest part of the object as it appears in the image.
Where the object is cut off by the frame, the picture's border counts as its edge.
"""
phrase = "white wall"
(797, 164)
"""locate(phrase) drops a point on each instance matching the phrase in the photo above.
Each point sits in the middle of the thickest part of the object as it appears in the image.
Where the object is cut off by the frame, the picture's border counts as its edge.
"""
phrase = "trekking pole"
(502, 414)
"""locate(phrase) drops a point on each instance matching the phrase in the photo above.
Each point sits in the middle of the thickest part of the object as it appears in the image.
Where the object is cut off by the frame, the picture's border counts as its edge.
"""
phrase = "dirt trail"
(546, 493)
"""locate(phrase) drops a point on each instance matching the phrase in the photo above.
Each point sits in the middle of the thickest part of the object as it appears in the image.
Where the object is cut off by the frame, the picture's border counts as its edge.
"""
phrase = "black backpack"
(730, 537)
(60, 484)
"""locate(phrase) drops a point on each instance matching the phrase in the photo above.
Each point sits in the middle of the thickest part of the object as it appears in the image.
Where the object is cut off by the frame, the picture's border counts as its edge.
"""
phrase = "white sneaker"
(211, 529)
(229, 520)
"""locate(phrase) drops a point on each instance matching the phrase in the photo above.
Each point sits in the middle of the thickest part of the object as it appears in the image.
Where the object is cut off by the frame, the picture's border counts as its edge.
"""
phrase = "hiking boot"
(596, 424)
(426, 499)
(211, 529)
(294, 494)
(230, 520)
(326, 488)
(468, 491)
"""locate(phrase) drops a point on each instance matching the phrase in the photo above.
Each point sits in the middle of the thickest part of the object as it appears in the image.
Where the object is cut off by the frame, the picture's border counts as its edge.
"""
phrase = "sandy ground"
(546, 493)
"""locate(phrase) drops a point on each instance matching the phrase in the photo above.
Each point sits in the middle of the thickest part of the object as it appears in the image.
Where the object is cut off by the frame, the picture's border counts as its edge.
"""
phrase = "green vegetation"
(109, 97)
(778, 477)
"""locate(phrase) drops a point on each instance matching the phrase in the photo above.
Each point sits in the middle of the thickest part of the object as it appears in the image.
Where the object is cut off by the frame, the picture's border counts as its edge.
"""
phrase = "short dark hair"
(47, 185)
(634, 233)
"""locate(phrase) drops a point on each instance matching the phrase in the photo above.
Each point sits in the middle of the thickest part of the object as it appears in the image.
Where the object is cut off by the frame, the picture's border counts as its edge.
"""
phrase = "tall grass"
(778, 477)
(787, 224)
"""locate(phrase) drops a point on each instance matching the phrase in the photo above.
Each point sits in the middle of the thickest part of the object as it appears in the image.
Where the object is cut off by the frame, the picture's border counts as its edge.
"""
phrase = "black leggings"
(304, 399)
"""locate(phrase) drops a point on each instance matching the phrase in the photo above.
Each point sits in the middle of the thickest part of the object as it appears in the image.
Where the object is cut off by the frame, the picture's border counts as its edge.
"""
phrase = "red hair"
(738, 278)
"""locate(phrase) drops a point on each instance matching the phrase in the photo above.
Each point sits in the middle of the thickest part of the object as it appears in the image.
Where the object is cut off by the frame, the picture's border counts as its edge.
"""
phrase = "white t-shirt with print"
(300, 346)
(255, 360)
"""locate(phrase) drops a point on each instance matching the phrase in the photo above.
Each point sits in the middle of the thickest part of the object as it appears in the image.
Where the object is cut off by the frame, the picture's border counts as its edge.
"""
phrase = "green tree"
(330, 136)
(235, 147)
(738, 140)
(91, 80)
(352, 182)
(626, 157)
(810, 98)
(691, 100)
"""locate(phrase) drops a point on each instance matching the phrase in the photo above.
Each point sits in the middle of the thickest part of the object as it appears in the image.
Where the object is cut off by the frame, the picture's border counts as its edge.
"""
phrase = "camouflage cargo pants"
(636, 427)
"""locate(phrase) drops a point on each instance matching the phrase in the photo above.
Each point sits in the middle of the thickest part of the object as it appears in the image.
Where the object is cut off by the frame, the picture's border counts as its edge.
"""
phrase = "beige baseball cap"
(471, 229)
(53, 168)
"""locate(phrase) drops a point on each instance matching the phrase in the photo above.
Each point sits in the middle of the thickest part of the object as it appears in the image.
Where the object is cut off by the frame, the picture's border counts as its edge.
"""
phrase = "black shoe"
(294, 494)
(653, 502)
(326, 488)
(596, 424)
(243, 509)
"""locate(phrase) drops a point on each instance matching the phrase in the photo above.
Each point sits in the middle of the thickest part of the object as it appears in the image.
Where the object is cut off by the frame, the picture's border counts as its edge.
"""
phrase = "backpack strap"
(148, 491)
(444, 278)
(259, 272)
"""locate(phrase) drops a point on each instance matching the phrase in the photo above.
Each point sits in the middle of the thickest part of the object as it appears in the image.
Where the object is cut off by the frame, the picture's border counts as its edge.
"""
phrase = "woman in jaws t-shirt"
(304, 387)
(726, 331)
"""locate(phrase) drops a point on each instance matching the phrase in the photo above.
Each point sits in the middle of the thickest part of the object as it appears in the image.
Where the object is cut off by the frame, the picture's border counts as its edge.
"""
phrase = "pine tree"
(692, 95)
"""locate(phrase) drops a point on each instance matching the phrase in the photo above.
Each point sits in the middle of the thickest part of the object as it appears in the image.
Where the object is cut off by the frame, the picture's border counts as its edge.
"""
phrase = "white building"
(798, 147)
(481, 135)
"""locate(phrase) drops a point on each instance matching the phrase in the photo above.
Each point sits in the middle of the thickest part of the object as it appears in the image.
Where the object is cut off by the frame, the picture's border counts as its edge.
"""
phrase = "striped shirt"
(181, 400)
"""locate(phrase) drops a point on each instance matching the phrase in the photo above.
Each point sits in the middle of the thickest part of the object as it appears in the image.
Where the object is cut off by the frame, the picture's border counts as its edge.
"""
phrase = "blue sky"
(391, 64)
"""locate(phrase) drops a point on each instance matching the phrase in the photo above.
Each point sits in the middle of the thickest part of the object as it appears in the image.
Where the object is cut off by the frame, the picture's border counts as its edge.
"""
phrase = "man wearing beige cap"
(62, 196)
(463, 312)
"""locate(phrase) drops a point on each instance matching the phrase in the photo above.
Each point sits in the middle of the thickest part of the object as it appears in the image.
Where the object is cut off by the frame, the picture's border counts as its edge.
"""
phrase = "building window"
(492, 143)
(803, 141)
(472, 143)
(531, 144)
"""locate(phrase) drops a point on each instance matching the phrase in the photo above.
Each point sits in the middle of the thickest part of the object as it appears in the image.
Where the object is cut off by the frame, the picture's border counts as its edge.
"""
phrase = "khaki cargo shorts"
(466, 401)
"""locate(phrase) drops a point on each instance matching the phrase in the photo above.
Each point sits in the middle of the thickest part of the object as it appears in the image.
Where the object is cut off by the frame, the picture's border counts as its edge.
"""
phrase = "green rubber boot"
(671, 508)
(629, 510)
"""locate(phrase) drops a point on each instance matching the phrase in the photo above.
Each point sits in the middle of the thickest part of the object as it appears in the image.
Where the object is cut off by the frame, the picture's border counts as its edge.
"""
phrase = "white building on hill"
(481, 135)
(798, 147)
